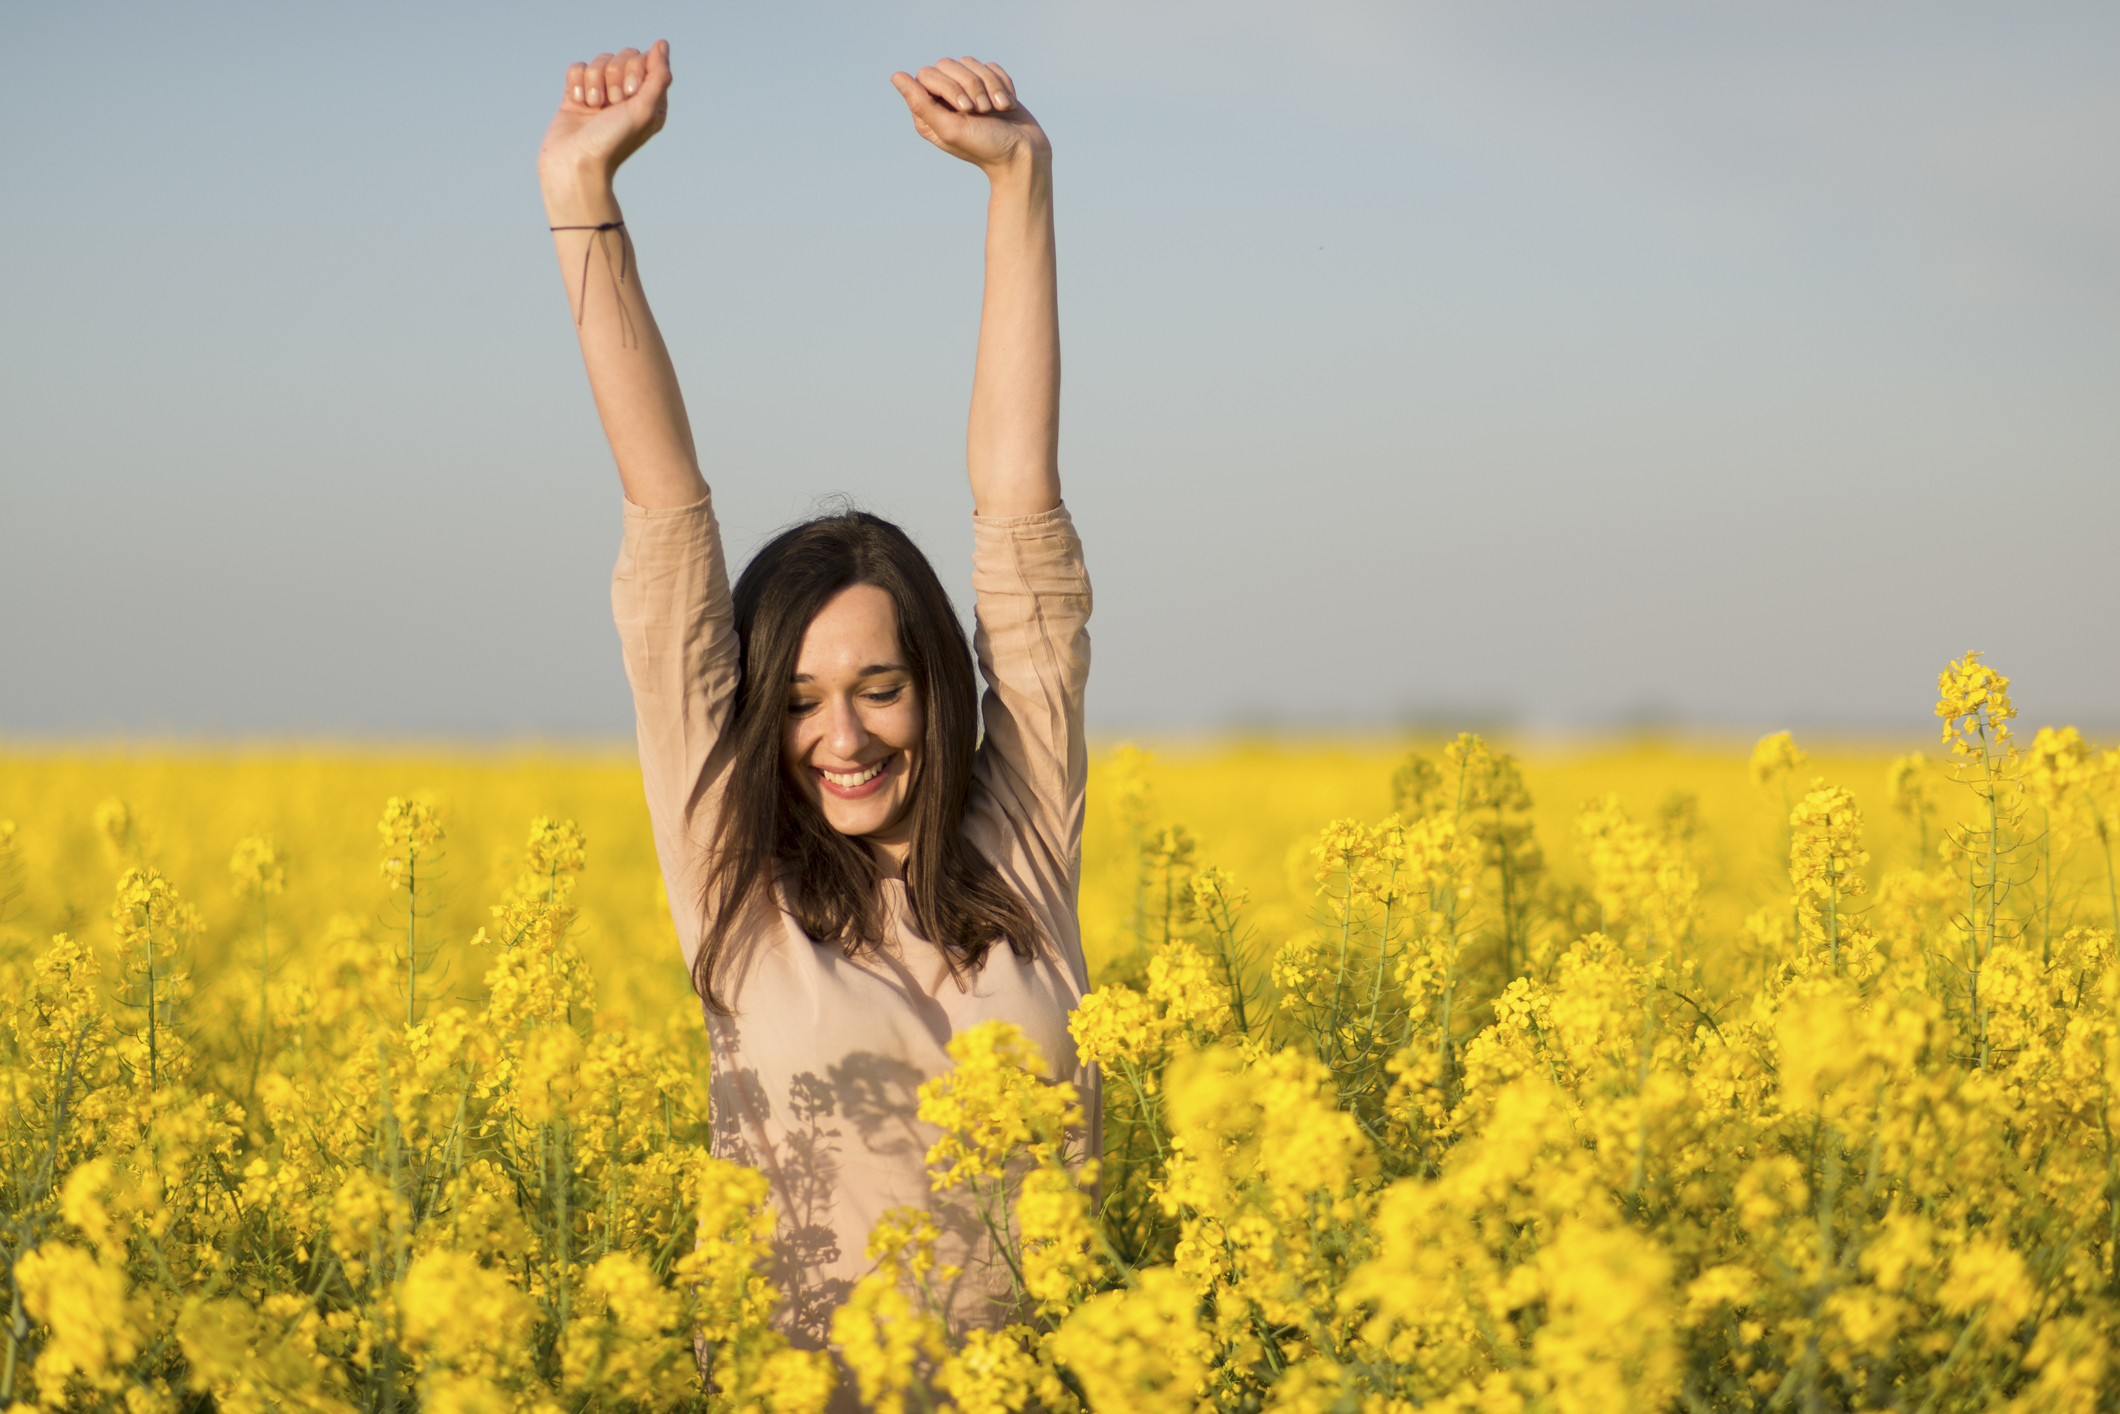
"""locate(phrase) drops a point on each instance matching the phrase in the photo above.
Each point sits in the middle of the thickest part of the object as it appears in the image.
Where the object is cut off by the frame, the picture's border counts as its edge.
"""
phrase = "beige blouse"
(814, 1076)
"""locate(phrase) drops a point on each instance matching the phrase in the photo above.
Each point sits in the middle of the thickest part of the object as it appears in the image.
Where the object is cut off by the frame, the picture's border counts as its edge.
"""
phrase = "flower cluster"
(1763, 1099)
(244, 1179)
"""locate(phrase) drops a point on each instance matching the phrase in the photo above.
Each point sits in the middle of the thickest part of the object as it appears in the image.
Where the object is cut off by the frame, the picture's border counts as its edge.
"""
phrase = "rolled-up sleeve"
(677, 629)
(1033, 605)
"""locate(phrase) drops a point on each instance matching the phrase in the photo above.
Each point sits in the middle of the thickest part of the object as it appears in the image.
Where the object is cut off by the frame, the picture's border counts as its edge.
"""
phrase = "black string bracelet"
(581, 304)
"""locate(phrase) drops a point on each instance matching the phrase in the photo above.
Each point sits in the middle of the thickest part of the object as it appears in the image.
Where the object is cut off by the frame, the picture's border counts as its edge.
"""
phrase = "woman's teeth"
(848, 782)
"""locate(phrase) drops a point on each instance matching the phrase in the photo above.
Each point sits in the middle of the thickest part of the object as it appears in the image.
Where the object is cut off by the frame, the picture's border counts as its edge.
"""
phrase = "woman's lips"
(867, 781)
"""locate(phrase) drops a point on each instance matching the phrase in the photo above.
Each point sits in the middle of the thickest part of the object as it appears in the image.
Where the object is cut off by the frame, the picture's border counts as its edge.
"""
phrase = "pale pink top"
(814, 1076)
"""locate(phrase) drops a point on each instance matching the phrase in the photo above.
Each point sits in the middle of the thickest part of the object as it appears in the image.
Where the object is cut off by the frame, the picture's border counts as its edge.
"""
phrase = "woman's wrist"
(578, 196)
(1024, 169)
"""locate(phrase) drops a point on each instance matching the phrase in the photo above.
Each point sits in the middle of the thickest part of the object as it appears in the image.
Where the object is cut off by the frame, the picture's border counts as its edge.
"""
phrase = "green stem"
(1994, 891)
(2112, 890)
(257, 1064)
(17, 1332)
(412, 935)
(1509, 938)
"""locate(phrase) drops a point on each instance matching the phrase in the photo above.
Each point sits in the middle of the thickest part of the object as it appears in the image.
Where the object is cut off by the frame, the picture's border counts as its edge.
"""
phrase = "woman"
(853, 881)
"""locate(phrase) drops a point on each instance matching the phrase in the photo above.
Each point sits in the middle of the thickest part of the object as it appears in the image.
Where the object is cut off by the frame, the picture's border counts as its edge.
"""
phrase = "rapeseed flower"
(1775, 758)
(1855, 1152)
(1974, 702)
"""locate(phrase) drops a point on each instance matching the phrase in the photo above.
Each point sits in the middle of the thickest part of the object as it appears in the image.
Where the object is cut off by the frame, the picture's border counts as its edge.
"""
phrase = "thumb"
(658, 76)
(924, 105)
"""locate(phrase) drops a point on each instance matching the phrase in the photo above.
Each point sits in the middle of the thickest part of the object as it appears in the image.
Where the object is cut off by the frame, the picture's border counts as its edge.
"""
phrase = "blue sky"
(1725, 366)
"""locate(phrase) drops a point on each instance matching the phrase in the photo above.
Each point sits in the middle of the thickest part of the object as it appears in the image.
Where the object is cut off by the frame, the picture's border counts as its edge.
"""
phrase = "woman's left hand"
(970, 110)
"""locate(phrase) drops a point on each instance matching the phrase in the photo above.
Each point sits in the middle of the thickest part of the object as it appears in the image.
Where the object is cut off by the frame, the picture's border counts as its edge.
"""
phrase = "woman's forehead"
(855, 634)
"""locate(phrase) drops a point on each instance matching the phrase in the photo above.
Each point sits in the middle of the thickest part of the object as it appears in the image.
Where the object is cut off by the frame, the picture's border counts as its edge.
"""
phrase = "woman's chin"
(863, 820)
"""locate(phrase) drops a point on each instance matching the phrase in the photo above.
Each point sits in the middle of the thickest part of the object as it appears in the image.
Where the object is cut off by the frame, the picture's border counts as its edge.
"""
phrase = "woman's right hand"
(612, 105)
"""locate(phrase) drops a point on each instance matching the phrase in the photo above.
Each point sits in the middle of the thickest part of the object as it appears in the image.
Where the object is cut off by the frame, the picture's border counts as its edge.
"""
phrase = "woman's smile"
(860, 782)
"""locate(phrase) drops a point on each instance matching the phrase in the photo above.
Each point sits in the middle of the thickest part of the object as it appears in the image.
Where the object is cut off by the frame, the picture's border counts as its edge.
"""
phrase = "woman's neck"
(889, 854)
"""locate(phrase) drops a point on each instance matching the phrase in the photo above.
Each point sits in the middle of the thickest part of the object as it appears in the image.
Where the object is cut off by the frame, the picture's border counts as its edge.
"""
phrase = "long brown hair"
(770, 834)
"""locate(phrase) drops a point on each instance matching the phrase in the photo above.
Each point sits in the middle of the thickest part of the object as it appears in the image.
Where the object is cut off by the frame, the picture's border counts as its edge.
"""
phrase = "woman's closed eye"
(885, 696)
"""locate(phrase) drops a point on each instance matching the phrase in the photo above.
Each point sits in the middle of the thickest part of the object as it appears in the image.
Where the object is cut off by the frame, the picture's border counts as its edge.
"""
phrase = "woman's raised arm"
(970, 110)
(612, 105)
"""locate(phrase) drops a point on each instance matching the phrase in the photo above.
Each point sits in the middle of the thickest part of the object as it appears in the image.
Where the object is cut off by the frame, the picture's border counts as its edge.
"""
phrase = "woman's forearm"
(630, 373)
(1013, 446)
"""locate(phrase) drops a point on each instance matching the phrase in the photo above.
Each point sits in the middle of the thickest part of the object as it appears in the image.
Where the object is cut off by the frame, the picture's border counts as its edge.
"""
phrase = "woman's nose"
(845, 735)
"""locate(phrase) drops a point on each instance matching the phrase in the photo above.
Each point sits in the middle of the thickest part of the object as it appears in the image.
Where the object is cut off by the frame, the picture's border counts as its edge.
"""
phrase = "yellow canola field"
(1255, 809)
(1623, 1076)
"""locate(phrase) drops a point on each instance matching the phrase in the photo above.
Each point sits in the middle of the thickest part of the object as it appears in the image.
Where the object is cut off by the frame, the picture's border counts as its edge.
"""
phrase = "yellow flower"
(412, 835)
(794, 1382)
(996, 1372)
(1115, 1024)
(556, 847)
(1909, 783)
(468, 1326)
(548, 1074)
(369, 1220)
(1825, 860)
(262, 1359)
(633, 1348)
(1138, 1350)
(888, 1341)
(1974, 702)
(256, 868)
(1606, 1342)
(1775, 757)
(731, 1243)
(119, 826)
(155, 930)
(2061, 773)
(1640, 878)
(1059, 1236)
(993, 1104)
(1988, 1280)
(1190, 991)
(89, 1309)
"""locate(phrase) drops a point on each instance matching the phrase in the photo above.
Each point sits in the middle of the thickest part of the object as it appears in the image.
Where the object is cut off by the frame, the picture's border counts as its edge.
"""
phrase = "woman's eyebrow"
(870, 671)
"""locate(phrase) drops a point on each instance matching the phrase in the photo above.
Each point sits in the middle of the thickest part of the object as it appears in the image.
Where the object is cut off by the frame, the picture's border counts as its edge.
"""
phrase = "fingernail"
(596, 95)
(577, 93)
(965, 104)
(632, 84)
(1001, 100)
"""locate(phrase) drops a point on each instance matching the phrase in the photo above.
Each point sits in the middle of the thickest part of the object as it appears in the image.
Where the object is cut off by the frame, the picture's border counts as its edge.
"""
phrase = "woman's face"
(854, 723)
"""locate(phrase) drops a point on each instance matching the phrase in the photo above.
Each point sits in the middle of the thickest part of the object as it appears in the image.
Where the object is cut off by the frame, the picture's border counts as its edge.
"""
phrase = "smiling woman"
(856, 877)
(854, 719)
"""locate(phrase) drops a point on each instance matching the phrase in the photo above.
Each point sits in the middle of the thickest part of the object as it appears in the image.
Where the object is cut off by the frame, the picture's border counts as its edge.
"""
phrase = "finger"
(576, 82)
(927, 110)
(974, 86)
(989, 78)
(593, 80)
(658, 65)
(1008, 84)
(614, 81)
(947, 90)
(632, 68)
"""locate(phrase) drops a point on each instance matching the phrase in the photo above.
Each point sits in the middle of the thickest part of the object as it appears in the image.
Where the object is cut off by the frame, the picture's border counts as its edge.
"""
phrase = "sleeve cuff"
(1056, 516)
(635, 511)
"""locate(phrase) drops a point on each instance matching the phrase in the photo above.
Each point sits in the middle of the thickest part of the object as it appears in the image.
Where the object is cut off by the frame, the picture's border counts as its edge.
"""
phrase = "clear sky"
(1730, 366)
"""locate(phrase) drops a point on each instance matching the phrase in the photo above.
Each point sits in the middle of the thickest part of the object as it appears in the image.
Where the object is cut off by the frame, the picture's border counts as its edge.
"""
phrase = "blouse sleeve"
(677, 628)
(1033, 605)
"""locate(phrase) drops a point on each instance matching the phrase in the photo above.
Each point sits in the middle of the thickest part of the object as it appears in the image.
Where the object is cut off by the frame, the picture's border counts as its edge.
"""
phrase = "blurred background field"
(1254, 808)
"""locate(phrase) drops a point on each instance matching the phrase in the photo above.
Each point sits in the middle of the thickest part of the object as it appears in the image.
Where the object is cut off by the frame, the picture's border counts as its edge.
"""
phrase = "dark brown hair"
(770, 837)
